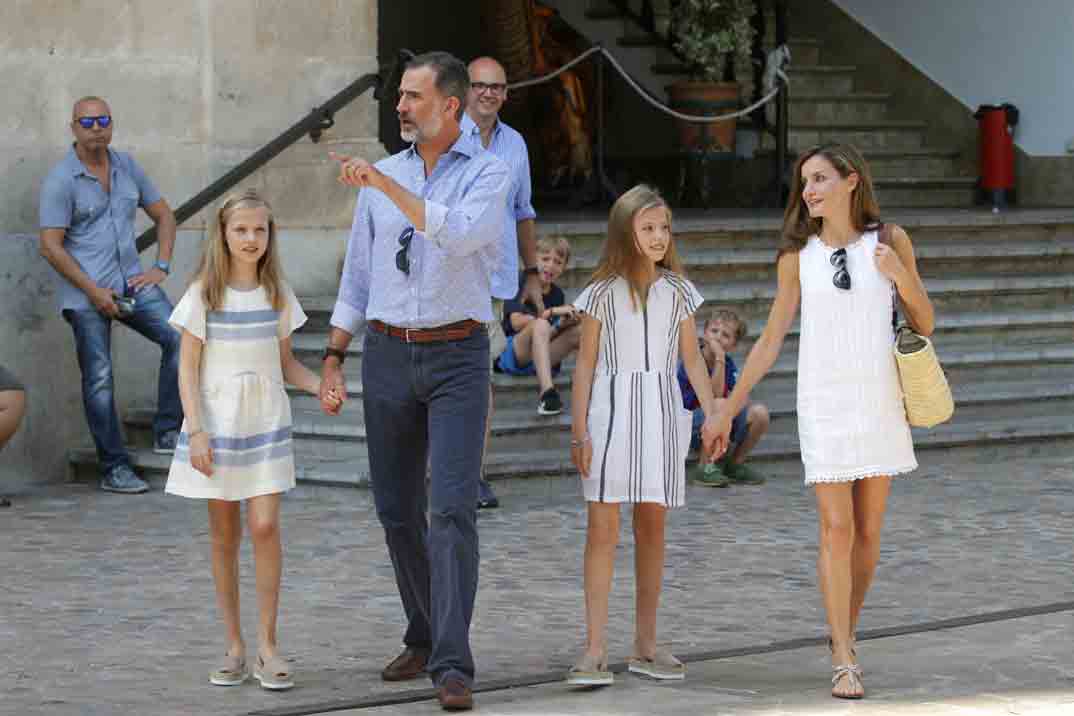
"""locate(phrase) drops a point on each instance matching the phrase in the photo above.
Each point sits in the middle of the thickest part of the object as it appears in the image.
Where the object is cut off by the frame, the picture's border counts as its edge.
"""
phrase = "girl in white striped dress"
(236, 320)
(630, 430)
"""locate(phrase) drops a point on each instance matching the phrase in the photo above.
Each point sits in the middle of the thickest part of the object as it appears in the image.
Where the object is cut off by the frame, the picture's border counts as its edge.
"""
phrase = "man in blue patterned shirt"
(488, 92)
(416, 285)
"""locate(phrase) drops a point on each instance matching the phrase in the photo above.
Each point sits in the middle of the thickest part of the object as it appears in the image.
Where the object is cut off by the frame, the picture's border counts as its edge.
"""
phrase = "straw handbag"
(926, 394)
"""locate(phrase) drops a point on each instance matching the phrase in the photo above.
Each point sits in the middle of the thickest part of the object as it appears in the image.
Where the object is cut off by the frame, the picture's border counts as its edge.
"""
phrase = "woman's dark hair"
(798, 225)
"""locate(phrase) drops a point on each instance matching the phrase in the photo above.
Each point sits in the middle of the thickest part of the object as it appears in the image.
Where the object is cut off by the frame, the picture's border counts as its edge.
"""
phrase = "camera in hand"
(124, 304)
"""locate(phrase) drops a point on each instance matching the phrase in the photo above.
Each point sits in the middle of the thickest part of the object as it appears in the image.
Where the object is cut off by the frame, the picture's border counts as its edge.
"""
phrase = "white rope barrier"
(780, 55)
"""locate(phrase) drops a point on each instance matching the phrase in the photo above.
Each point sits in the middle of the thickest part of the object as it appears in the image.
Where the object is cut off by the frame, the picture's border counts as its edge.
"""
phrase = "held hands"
(889, 263)
(150, 278)
(201, 453)
(582, 455)
(715, 434)
(332, 389)
(357, 172)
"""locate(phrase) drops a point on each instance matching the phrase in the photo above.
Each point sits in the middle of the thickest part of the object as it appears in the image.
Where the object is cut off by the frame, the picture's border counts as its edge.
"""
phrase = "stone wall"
(194, 87)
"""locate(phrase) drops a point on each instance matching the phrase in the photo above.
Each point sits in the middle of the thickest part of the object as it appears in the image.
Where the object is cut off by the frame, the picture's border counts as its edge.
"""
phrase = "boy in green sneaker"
(723, 330)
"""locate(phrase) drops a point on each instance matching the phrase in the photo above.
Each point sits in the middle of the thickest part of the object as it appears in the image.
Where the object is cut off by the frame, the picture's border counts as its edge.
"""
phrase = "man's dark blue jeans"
(430, 403)
(93, 341)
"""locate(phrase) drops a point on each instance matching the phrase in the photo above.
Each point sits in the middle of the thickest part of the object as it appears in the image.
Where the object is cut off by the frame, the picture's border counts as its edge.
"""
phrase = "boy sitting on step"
(723, 330)
(538, 341)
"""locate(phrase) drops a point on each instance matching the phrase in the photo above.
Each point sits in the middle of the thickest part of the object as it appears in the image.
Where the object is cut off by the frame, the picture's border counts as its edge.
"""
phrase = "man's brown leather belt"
(449, 332)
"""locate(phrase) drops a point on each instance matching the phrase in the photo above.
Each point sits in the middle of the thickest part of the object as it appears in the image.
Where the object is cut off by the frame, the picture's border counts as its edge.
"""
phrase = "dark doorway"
(422, 26)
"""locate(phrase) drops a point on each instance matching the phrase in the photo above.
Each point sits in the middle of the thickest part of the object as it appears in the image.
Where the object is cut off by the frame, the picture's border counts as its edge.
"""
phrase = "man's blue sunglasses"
(102, 121)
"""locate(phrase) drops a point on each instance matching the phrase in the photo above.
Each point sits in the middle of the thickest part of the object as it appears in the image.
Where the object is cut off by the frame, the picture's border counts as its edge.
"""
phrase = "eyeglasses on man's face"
(495, 88)
(102, 120)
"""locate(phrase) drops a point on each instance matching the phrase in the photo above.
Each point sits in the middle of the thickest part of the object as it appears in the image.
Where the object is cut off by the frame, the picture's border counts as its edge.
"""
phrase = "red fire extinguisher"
(995, 151)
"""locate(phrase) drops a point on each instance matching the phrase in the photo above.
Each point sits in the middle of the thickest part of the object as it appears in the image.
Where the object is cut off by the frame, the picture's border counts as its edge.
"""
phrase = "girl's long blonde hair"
(621, 255)
(215, 262)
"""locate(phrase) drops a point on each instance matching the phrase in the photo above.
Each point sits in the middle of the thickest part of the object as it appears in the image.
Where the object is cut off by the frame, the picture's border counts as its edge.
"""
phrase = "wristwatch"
(163, 266)
(334, 352)
(532, 270)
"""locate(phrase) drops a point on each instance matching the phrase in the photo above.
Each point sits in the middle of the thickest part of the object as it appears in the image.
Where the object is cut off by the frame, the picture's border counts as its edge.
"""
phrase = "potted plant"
(711, 35)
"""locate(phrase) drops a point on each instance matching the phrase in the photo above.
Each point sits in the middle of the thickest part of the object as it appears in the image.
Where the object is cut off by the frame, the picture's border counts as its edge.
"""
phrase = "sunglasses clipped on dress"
(841, 279)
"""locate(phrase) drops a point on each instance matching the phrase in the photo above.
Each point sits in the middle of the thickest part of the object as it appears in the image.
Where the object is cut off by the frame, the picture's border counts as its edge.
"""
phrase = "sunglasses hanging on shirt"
(841, 279)
(402, 256)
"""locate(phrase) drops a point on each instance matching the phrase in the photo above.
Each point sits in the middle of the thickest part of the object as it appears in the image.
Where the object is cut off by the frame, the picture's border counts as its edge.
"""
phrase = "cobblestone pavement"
(106, 605)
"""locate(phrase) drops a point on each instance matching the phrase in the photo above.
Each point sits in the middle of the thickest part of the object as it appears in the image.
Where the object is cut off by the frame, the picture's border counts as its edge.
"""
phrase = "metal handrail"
(313, 124)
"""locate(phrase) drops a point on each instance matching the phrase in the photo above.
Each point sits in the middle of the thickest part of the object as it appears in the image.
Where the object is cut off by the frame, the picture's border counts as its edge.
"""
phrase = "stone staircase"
(825, 105)
(1003, 287)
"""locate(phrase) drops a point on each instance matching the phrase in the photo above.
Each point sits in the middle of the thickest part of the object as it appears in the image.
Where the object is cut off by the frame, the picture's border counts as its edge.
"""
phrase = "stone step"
(1011, 384)
(821, 79)
(893, 134)
(760, 229)
(806, 79)
(926, 191)
(926, 162)
(532, 462)
(849, 107)
(972, 254)
(974, 330)
(752, 297)
(804, 51)
(999, 372)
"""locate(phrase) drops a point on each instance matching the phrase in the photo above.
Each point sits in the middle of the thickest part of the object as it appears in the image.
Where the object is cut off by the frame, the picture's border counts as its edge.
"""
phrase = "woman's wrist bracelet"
(580, 443)
(191, 433)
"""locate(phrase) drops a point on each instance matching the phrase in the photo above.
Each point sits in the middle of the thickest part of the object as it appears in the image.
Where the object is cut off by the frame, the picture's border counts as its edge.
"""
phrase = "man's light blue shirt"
(465, 205)
(99, 225)
(507, 144)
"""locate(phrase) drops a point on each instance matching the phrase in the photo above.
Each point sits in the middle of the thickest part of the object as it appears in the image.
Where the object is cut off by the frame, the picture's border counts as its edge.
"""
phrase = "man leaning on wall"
(88, 206)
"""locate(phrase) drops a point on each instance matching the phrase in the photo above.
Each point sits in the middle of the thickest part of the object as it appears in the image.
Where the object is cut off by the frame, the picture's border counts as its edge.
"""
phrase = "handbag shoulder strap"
(885, 234)
(885, 238)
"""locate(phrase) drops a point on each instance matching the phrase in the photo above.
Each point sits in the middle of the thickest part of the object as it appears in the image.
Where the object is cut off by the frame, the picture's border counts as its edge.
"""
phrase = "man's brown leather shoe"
(454, 695)
(408, 665)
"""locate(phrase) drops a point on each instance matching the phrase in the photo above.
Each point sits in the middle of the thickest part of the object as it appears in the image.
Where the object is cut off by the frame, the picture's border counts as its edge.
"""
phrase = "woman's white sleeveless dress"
(851, 420)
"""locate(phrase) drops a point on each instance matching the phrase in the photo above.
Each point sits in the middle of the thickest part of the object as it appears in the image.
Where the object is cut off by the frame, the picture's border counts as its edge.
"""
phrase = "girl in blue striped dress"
(236, 320)
(630, 430)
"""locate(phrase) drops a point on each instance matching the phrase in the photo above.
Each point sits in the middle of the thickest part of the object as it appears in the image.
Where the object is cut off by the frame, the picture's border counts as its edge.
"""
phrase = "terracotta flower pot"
(707, 99)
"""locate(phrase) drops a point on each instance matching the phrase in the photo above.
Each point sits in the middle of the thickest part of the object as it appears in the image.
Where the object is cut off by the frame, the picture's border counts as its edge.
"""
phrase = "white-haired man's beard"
(415, 133)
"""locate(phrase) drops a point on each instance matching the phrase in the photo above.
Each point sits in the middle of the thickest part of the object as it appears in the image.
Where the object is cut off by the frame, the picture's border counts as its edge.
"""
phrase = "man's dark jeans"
(93, 341)
(426, 406)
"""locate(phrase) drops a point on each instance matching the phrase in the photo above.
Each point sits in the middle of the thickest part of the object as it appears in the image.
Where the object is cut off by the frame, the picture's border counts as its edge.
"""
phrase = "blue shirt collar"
(465, 144)
(469, 126)
(75, 166)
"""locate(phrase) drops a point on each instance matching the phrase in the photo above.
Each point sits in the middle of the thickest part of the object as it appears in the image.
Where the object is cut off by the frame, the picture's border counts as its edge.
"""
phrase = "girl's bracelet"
(579, 443)
(191, 433)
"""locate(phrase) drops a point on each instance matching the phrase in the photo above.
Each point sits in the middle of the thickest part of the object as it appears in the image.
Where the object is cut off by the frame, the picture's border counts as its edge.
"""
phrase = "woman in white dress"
(851, 421)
